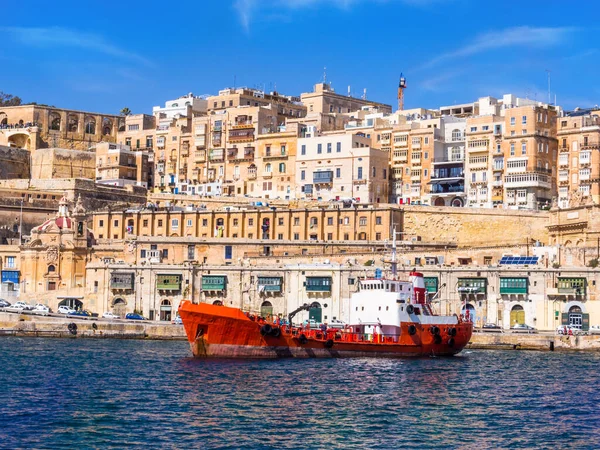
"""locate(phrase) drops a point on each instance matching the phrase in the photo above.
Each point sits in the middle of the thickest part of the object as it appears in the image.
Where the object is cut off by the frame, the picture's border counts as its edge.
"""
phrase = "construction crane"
(401, 87)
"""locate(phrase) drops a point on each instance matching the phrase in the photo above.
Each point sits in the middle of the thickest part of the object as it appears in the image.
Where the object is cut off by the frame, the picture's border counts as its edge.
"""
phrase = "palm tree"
(126, 111)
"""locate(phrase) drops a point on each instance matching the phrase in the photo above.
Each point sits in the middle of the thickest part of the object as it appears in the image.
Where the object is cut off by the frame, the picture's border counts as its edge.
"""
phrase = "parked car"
(19, 307)
(523, 328)
(177, 320)
(81, 313)
(110, 315)
(595, 329)
(4, 303)
(134, 316)
(568, 329)
(65, 310)
(41, 309)
(491, 326)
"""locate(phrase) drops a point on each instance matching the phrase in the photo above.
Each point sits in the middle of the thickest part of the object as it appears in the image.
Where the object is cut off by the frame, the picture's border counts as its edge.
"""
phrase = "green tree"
(126, 111)
(9, 100)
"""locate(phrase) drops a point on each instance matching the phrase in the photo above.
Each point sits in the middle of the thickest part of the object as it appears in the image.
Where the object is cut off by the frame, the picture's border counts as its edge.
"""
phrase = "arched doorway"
(266, 309)
(517, 315)
(316, 312)
(439, 202)
(468, 311)
(457, 202)
(165, 310)
(119, 305)
(72, 303)
(576, 317)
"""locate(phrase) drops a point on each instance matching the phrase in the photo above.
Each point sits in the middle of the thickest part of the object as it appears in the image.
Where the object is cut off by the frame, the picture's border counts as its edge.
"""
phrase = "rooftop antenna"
(324, 75)
(349, 91)
(364, 94)
(549, 98)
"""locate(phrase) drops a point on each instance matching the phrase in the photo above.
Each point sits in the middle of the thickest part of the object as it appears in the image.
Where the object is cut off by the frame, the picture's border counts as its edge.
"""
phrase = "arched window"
(72, 123)
(268, 168)
(90, 125)
(281, 167)
(51, 268)
(218, 303)
(54, 121)
(456, 135)
(106, 126)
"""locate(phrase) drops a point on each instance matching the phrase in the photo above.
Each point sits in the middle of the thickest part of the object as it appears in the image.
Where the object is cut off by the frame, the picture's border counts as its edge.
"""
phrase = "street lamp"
(21, 224)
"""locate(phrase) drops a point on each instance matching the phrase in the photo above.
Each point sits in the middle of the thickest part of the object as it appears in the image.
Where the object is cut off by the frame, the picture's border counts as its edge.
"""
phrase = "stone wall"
(55, 163)
(14, 163)
(475, 227)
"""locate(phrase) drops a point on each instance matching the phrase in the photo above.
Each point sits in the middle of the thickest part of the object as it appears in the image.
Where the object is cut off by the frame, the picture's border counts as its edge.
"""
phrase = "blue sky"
(111, 54)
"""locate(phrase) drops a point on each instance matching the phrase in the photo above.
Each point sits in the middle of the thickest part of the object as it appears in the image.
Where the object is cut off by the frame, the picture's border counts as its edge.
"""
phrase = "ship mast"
(394, 264)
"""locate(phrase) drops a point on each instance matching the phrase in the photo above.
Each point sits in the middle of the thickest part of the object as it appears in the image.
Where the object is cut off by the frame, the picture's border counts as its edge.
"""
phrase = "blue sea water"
(84, 393)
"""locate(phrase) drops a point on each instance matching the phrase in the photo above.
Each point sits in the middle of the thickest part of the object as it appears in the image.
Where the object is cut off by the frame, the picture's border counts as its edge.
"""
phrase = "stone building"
(341, 167)
(578, 169)
(117, 165)
(35, 126)
(53, 262)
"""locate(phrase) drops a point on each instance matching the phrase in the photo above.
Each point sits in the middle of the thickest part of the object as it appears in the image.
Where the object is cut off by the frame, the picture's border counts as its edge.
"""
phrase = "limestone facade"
(117, 165)
(55, 163)
(578, 172)
(34, 126)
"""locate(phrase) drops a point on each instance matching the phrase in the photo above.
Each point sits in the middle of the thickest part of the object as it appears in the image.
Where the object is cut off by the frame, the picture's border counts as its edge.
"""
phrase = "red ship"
(387, 319)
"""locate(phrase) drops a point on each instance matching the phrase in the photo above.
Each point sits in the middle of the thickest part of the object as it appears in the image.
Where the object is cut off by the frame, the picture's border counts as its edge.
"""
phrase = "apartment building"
(447, 184)
(323, 99)
(282, 106)
(578, 180)
(484, 161)
(530, 152)
(274, 174)
(117, 165)
(341, 166)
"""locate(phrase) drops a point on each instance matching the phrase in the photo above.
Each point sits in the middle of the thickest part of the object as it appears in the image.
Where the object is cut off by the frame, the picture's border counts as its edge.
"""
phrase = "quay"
(14, 324)
(28, 325)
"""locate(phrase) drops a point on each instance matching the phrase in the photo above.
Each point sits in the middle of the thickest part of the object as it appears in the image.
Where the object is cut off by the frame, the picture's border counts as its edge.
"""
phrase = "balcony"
(497, 183)
(200, 156)
(217, 155)
(241, 124)
(232, 153)
(241, 135)
(267, 175)
(446, 187)
(252, 174)
(590, 145)
(563, 163)
(478, 146)
(168, 282)
(480, 162)
(446, 160)
(447, 174)
(527, 180)
(400, 156)
(359, 182)
(563, 149)
(162, 129)
(416, 145)
(584, 176)
(403, 143)
(323, 177)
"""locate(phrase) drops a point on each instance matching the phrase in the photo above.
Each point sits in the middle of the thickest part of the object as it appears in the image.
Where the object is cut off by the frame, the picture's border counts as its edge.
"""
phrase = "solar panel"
(519, 260)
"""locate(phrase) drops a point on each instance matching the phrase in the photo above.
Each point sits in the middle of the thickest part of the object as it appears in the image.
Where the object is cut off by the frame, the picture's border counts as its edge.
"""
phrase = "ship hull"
(222, 332)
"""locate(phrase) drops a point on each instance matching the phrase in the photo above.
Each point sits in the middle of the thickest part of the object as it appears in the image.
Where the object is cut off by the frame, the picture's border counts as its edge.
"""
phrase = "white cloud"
(517, 36)
(63, 37)
(247, 9)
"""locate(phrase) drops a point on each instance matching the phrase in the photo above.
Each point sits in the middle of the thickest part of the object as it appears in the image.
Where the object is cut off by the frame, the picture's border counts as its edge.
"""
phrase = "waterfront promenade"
(14, 324)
